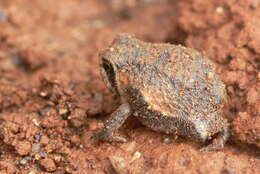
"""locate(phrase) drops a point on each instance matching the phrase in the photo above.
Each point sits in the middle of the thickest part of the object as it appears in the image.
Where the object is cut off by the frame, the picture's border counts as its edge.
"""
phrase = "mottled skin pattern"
(169, 88)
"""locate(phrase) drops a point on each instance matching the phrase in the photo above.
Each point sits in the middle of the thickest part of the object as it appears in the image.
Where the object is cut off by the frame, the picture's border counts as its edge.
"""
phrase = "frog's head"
(116, 62)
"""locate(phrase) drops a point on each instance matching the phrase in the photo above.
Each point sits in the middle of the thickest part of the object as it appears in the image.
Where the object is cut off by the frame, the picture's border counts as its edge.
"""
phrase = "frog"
(169, 88)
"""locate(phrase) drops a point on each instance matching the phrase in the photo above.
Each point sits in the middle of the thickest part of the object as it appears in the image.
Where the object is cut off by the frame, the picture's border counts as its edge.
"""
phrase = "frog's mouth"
(109, 75)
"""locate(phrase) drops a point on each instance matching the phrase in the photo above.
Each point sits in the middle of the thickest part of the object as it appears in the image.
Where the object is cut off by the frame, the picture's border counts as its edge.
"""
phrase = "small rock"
(255, 4)
(37, 156)
(136, 156)
(63, 111)
(43, 154)
(129, 147)
(72, 85)
(57, 158)
(37, 137)
(36, 147)
(23, 147)
(8, 167)
(118, 163)
(25, 160)
(32, 172)
(13, 127)
(35, 122)
(16, 60)
(44, 110)
(167, 140)
(44, 140)
(77, 117)
(48, 164)
(124, 165)
(43, 94)
(3, 16)
(220, 10)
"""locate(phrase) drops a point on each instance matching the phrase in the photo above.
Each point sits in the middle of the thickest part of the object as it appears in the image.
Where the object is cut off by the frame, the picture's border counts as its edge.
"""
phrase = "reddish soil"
(52, 98)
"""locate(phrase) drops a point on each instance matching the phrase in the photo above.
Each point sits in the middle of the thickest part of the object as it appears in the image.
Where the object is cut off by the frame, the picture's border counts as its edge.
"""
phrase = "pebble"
(48, 164)
(167, 140)
(23, 147)
(36, 147)
(37, 137)
(136, 156)
(25, 160)
(118, 163)
(3, 16)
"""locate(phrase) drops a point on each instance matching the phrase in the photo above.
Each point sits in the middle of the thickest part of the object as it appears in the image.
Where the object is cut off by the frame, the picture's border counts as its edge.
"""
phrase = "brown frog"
(169, 88)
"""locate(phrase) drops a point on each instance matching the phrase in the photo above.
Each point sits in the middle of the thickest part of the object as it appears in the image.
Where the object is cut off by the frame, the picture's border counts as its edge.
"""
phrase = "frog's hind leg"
(115, 121)
(218, 142)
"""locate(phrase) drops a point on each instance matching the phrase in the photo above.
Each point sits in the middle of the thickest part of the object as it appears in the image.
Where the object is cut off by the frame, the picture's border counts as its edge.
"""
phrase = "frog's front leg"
(115, 121)
(218, 142)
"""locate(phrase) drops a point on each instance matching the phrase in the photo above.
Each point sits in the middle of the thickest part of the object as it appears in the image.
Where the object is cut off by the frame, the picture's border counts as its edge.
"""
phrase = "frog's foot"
(115, 121)
(218, 142)
(105, 135)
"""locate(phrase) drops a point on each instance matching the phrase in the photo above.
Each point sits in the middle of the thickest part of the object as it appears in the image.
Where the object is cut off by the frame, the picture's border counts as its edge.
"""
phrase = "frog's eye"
(110, 73)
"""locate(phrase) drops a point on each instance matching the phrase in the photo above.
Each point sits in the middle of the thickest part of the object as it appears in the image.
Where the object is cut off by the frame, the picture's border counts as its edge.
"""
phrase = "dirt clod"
(23, 147)
(48, 165)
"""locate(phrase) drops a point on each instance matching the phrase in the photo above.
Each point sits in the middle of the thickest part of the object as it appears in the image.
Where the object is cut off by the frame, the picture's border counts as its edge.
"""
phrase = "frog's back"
(178, 82)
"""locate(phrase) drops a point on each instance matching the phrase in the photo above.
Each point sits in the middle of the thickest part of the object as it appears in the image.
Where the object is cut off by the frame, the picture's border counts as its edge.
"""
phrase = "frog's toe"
(104, 135)
(218, 142)
(118, 139)
(212, 147)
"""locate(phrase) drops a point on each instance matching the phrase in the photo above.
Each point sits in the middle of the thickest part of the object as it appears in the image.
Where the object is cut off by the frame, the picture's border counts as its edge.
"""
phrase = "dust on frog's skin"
(169, 88)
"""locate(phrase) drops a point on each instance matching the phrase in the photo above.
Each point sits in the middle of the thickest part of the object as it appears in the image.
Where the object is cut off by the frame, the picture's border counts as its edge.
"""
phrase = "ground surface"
(52, 98)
